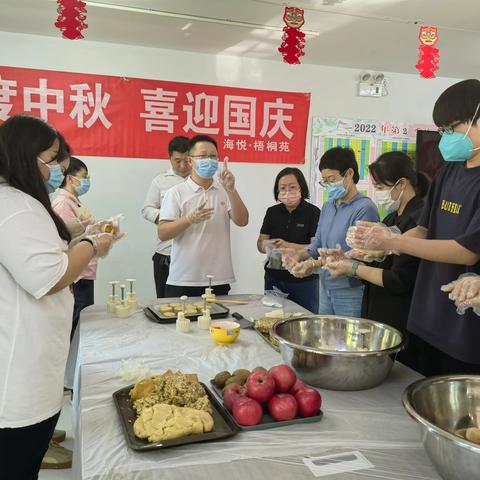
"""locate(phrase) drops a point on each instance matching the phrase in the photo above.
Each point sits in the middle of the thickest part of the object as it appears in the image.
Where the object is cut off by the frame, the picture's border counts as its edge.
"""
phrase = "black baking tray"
(217, 310)
(224, 424)
(267, 420)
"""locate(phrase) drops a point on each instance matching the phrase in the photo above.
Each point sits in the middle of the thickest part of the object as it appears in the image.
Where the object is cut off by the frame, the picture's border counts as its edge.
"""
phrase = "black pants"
(178, 290)
(161, 268)
(22, 449)
(83, 293)
(429, 361)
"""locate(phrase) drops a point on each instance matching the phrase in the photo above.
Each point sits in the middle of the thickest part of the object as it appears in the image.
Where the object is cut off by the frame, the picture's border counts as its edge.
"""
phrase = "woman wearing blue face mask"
(447, 240)
(345, 206)
(389, 283)
(37, 267)
(68, 207)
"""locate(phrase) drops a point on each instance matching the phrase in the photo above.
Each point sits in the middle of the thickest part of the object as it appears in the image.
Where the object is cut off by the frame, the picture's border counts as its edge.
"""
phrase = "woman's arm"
(79, 257)
(260, 245)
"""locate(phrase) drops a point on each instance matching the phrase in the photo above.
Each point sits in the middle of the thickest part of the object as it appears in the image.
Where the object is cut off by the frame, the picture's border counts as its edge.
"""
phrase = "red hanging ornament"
(293, 40)
(429, 55)
(71, 18)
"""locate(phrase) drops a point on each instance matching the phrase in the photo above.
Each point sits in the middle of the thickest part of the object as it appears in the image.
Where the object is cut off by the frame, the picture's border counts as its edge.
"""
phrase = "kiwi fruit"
(259, 369)
(221, 378)
(238, 379)
(242, 371)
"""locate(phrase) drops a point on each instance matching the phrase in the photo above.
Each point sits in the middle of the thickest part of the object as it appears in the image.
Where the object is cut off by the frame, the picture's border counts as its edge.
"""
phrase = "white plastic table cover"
(371, 421)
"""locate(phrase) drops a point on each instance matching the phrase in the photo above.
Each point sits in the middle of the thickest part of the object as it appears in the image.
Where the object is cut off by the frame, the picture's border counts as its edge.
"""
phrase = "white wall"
(119, 184)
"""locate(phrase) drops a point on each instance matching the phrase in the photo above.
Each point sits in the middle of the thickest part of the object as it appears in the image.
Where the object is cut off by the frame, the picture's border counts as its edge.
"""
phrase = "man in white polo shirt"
(177, 173)
(196, 214)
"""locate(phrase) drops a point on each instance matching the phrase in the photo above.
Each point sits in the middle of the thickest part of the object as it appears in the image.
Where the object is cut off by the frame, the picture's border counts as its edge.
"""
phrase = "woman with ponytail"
(400, 190)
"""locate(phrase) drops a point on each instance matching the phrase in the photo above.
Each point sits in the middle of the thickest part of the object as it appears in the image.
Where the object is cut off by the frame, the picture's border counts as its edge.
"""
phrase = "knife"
(242, 321)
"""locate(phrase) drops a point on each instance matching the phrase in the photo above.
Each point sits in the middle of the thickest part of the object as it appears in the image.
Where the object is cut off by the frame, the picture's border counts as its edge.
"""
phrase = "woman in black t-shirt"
(399, 189)
(289, 224)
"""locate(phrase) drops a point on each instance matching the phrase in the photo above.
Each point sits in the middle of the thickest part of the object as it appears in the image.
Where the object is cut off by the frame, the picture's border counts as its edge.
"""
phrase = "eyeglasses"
(449, 129)
(205, 157)
(289, 190)
(80, 178)
(324, 183)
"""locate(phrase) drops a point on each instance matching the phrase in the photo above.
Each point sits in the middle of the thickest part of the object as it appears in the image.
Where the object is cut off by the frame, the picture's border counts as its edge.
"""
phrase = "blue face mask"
(56, 177)
(84, 186)
(456, 146)
(336, 190)
(206, 168)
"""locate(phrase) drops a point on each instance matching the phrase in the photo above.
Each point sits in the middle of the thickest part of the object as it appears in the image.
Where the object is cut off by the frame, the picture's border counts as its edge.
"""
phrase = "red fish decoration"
(71, 18)
(429, 55)
(293, 39)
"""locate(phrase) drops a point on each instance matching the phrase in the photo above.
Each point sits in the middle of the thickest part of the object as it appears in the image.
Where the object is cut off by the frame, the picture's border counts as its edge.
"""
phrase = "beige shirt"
(153, 202)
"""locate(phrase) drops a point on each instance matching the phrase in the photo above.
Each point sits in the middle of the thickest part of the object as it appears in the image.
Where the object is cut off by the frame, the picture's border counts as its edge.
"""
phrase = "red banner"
(109, 116)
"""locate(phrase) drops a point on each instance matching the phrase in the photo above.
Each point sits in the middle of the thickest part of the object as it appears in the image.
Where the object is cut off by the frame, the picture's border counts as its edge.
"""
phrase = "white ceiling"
(378, 35)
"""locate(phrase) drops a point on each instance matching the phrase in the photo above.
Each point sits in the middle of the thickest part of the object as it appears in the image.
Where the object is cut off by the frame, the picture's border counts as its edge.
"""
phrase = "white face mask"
(384, 199)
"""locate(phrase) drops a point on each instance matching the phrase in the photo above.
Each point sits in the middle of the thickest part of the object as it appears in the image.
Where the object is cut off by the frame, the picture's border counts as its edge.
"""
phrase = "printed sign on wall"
(108, 116)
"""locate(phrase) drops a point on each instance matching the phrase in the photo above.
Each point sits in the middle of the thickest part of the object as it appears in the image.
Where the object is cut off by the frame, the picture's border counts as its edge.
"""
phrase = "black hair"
(390, 167)
(457, 104)
(178, 144)
(300, 179)
(64, 150)
(75, 166)
(23, 138)
(200, 138)
(341, 159)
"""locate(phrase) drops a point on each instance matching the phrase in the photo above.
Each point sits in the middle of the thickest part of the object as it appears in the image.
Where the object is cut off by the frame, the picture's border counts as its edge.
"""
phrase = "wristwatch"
(355, 266)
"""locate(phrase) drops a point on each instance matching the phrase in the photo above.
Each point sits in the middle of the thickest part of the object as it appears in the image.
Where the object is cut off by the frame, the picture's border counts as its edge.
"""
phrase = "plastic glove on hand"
(341, 268)
(200, 214)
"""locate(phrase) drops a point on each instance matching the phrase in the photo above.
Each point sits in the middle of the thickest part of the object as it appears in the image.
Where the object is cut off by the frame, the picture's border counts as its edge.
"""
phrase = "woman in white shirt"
(36, 269)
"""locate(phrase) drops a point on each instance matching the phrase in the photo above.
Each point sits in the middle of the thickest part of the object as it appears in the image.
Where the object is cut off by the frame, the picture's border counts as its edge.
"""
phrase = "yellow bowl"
(224, 332)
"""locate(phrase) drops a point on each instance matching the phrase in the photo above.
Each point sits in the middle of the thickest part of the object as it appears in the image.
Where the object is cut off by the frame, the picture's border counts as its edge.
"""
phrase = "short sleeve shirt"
(204, 248)
(297, 226)
(451, 212)
(34, 327)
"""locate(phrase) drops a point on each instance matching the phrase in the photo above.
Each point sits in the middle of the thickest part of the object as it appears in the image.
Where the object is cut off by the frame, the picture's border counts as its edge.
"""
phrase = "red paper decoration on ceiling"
(71, 18)
(293, 40)
(429, 55)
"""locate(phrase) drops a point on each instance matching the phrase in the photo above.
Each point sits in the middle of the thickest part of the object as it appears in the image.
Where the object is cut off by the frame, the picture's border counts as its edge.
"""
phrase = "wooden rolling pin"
(231, 302)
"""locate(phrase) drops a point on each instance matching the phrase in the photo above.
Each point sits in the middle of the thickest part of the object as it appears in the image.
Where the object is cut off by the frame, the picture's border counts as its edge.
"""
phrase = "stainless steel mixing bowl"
(338, 353)
(442, 405)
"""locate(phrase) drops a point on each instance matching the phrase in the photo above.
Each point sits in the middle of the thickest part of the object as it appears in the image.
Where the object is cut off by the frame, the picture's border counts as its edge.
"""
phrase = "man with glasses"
(177, 173)
(196, 214)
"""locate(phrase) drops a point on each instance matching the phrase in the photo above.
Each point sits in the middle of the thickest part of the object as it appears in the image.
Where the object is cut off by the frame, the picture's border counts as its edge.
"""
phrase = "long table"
(371, 421)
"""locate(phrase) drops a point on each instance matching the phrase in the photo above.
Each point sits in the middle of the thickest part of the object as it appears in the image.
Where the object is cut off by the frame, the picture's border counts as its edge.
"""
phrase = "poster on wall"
(107, 116)
(367, 138)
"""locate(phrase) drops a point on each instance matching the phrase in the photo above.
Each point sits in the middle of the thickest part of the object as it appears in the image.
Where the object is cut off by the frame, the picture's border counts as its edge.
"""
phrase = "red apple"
(282, 406)
(284, 377)
(231, 394)
(247, 411)
(298, 385)
(309, 402)
(260, 386)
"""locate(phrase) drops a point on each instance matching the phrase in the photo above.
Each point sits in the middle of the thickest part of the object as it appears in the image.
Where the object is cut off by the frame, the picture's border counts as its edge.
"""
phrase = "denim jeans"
(303, 293)
(83, 292)
(341, 301)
